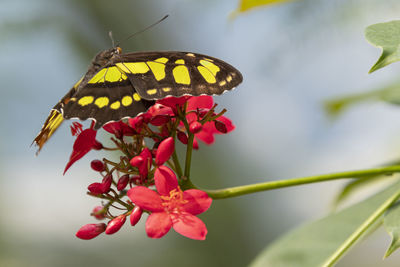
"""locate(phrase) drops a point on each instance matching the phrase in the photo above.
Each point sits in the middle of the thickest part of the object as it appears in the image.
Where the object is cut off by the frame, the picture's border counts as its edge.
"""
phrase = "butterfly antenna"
(145, 29)
(111, 37)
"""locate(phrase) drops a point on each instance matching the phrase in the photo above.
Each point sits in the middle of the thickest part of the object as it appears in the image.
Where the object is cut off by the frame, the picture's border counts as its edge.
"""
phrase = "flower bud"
(90, 231)
(136, 180)
(122, 182)
(195, 127)
(97, 165)
(96, 188)
(106, 183)
(165, 150)
(135, 215)
(137, 161)
(98, 212)
(97, 145)
(220, 126)
(115, 224)
(182, 137)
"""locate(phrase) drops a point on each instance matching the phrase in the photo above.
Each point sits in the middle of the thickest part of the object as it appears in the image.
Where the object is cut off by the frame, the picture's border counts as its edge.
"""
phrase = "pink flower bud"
(182, 137)
(159, 120)
(137, 161)
(136, 123)
(96, 188)
(195, 127)
(135, 215)
(90, 231)
(136, 180)
(123, 182)
(97, 145)
(165, 150)
(106, 184)
(98, 213)
(97, 165)
(220, 126)
(115, 224)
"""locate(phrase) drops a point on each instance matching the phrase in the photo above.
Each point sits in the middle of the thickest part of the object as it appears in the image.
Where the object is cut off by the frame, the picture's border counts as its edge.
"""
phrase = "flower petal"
(197, 201)
(82, 145)
(158, 224)
(165, 180)
(145, 198)
(204, 101)
(190, 226)
(205, 135)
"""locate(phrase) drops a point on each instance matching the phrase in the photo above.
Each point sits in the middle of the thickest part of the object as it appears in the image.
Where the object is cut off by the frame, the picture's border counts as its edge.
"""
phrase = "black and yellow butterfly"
(119, 85)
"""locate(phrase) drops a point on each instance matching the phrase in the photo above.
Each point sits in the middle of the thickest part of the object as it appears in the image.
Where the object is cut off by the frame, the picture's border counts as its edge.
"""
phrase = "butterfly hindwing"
(105, 101)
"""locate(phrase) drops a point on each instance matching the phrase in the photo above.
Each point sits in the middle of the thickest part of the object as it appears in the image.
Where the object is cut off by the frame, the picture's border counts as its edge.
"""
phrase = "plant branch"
(259, 187)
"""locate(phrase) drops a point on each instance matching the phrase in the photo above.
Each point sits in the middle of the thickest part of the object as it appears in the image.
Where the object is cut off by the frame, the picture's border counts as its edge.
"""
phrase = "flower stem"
(188, 161)
(248, 189)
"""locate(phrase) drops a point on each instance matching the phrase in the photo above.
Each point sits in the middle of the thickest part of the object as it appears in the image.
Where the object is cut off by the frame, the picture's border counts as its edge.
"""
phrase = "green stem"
(361, 230)
(188, 161)
(248, 189)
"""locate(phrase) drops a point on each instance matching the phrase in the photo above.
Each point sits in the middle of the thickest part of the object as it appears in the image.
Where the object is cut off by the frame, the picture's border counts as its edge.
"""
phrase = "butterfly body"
(118, 86)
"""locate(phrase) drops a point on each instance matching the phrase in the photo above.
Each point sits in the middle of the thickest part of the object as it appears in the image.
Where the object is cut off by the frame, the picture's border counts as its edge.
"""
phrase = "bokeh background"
(293, 57)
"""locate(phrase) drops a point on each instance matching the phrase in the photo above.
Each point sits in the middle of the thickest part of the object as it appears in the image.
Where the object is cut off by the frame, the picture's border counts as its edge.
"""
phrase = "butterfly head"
(106, 56)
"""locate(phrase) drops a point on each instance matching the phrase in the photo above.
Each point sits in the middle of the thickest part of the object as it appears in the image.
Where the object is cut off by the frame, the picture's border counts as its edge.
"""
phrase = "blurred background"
(292, 56)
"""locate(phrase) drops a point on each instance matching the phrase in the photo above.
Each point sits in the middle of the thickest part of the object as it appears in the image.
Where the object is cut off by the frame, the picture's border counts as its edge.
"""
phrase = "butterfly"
(118, 86)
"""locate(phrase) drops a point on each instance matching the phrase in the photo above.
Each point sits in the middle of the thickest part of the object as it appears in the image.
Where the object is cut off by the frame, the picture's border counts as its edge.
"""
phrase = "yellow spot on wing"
(151, 91)
(229, 78)
(113, 74)
(115, 105)
(210, 66)
(133, 67)
(222, 83)
(162, 60)
(102, 101)
(190, 55)
(180, 61)
(207, 75)
(136, 97)
(126, 100)
(86, 100)
(158, 69)
(99, 77)
(181, 74)
(166, 89)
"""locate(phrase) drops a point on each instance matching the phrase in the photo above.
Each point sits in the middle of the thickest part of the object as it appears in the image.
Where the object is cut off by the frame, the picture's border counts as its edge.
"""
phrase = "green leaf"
(354, 186)
(390, 94)
(323, 242)
(245, 5)
(391, 223)
(386, 36)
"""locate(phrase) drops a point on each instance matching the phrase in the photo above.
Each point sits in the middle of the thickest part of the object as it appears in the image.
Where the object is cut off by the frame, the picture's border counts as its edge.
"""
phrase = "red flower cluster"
(144, 164)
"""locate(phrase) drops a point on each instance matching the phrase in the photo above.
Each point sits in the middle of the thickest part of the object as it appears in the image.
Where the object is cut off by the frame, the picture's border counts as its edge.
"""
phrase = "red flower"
(203, 104)
(119, 129)
(171, 207)
(85, 142)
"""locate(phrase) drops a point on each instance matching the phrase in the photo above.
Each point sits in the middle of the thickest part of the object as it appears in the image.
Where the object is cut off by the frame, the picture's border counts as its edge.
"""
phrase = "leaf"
(323, 242)
(386, 36)
(391, 223)
(389, 93)
(245, 5)
(357, 184)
